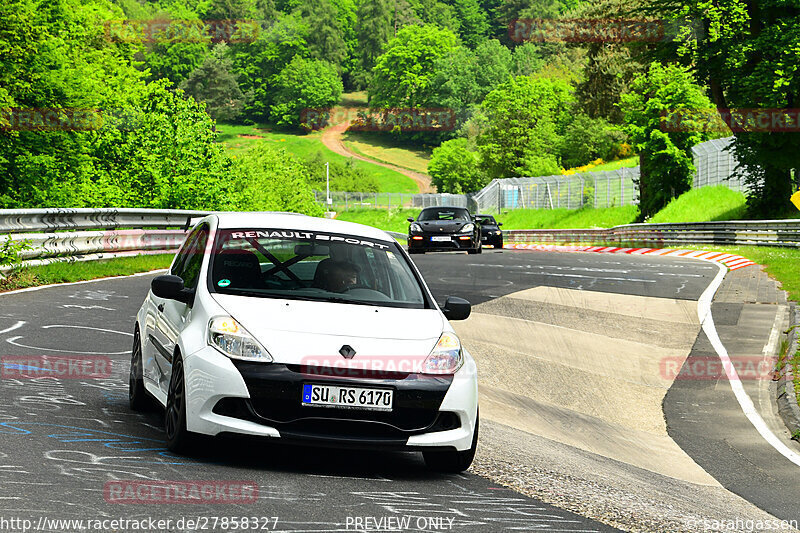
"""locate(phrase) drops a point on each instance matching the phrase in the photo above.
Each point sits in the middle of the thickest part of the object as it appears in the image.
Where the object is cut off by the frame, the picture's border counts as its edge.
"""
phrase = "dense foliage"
(665, 158)
(153, 75)
(747, 53)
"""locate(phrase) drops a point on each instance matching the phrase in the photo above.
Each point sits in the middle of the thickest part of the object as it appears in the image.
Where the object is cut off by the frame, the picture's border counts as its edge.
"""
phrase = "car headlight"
(467, 228)
(446, 357)
(230, 338)
(415, 228)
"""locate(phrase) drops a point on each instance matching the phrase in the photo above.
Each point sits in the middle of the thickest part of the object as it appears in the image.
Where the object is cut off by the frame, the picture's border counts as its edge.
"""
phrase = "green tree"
(304, 84)
(587, 139)
(170, 54)
(474, 25)
(213, 84)
(526, 118)
(324, 38)
(748, 55)
(437, 13)
(665, 158)
(273, 180)
(464, 77)
(374, 27)
(402, 74)
(257, 64)
(455, 169)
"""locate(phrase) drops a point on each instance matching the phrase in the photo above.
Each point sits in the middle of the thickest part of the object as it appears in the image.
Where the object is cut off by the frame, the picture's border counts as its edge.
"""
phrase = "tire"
(499, 244)
(137, 395)
(453, 462)
(179, 439)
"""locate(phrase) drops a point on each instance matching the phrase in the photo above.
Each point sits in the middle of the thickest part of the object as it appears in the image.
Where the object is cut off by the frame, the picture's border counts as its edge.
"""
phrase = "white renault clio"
(306, 330)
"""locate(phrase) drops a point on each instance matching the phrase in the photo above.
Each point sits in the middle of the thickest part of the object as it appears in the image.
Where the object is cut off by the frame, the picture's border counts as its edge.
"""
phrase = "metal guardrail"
(66, 234)
(90, 234)
(45, 220)
(784, 233)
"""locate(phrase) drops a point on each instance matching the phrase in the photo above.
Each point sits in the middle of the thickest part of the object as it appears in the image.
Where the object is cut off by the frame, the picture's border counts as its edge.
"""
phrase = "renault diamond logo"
(347, 351)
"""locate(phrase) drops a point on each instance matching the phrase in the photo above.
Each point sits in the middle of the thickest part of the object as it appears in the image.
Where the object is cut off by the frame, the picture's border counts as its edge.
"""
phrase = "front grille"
(334, 427)
(276, 392)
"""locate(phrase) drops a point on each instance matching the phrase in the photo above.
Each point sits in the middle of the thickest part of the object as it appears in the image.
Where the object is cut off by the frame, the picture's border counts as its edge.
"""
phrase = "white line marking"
(88, 327)
(707, 322)
(13, 341)
(12, 328)
(40, 287)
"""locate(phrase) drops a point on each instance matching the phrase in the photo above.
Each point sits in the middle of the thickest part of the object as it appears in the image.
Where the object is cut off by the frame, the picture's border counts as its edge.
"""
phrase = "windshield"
(444, 214)
(486, 220)
(280, 263)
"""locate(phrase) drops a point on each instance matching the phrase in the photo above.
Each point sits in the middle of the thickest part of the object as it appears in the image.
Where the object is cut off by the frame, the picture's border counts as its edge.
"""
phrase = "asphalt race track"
(61, 441)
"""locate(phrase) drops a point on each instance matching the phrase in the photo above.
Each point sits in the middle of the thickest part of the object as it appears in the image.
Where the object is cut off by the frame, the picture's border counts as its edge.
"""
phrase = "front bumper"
(263, 399)
(425, 242)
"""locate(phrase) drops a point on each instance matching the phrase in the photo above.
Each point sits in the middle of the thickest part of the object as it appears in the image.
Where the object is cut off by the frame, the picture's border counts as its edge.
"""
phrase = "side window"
(191, 257)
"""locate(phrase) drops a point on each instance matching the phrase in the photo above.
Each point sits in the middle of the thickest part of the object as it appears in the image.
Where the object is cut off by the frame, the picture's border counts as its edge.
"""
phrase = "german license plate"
(347, 397)
(440, 238)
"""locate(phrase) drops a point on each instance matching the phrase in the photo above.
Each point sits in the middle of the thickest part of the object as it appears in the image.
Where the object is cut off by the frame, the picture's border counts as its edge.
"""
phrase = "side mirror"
(456, 308)
(171, 288)
(499, 224)
(410, 219)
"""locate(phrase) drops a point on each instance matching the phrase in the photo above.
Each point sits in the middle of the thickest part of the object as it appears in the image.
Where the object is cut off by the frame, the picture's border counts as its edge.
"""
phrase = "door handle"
(161, 307)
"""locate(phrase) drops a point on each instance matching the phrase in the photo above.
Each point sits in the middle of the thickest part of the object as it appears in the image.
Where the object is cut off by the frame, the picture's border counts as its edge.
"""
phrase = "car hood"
(297, 331)
(445, 226)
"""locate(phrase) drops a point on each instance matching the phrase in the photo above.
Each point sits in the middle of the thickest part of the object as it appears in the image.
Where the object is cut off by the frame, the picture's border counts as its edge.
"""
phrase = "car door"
(172, 314)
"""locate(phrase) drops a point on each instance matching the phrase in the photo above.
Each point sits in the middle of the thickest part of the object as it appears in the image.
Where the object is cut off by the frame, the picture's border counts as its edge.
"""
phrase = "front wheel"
(453, 462)
(499, 244)
(179, 439)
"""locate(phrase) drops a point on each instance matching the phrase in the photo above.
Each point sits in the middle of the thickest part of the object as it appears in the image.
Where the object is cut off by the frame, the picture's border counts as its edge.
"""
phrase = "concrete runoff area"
(592, 376)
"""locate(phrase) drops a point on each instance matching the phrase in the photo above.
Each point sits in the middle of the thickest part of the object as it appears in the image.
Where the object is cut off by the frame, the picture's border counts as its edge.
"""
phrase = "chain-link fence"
(715, 164)
(344, 201)
(596, 189)
(714, 161)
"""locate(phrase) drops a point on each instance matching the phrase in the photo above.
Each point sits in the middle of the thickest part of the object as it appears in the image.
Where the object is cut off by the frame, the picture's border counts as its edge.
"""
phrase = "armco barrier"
(90, 234)
(83, 234)
(743, 232)
(47, 220)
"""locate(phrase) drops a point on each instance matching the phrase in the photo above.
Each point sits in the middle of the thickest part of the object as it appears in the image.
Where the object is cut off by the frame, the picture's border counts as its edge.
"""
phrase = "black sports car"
(490, 231)
(440, 229)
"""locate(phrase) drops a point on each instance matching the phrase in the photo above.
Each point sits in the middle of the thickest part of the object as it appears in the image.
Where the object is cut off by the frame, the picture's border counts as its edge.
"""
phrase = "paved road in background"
(60, 441)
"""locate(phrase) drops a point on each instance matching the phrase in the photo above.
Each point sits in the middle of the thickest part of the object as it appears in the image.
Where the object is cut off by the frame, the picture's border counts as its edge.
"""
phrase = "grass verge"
(84, 270)
(385, 219)
(567, 218)
(238, 139)
(703, 205)
(382, 148)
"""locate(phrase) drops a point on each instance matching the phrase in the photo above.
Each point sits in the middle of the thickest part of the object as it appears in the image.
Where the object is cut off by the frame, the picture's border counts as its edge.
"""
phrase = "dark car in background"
(490, 231)
(444, 229)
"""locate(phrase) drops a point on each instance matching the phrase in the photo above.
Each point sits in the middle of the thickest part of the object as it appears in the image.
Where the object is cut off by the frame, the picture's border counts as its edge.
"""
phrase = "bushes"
(587, 139)
(10, 251)
(304, 84)
(343, 176)
(454, 168)
(269, 179)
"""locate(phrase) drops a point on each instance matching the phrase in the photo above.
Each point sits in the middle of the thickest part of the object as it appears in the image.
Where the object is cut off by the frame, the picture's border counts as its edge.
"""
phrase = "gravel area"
(612, 492)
